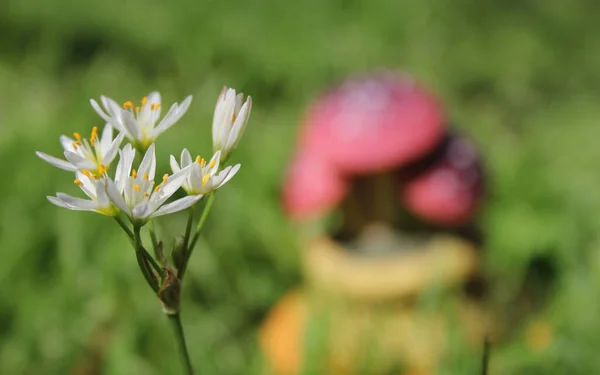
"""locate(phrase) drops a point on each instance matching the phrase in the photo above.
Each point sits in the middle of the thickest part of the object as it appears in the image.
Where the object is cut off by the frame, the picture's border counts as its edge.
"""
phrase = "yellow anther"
(146, 176)
(78, 143)
(133, 173)
(202, 163)
(154, 106)
(128, 105)
(198, 159)
(205, 179)
(165, 177)
(146, 195)
(136, 187)
(74, 144)
(95, 130)
(95, 177)
(102, 169)
(144, 100)
(78, 182)
(212, 164)
(137, 109)
(157, 187)
(86, 172)
(77, 136)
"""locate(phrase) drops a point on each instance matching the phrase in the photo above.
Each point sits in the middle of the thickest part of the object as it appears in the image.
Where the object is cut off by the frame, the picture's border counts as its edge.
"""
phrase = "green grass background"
(521, 77)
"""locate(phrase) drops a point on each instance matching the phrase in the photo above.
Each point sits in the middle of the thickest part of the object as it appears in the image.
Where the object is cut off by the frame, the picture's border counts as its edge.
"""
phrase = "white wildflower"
(91, 157)
(95, 190)
(139, 122)
(203, 177)
(229, 121)
(134, 192)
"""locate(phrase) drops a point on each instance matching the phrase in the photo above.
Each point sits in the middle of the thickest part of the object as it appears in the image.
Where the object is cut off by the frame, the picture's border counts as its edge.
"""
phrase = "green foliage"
(521, 77)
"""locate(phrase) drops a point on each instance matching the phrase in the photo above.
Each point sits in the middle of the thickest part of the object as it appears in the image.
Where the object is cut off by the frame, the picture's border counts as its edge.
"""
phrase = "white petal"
(195, 177)
(239, 125)
(56, 162)
(148, 164)
(77, 203)
(111, 106)
(104, 116)
(174, 114)
(87, 186)
(153, 98)
(79, 161)
(142, 211)
(178, 205)
(106, 139)
(169, 188)
(101, 195)
(186, 158)
(228, 174)
(116, 197)
(58, 202)
(218, 114)
(131, 125)
(174, 165)
(67, 143)
(111, 151)
(126, 156)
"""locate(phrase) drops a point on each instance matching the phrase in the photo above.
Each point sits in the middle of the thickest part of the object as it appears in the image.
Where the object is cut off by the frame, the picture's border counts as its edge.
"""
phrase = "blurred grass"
(522, 78)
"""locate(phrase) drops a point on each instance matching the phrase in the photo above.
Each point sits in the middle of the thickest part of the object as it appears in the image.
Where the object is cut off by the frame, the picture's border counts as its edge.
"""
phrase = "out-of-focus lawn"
(523, 78)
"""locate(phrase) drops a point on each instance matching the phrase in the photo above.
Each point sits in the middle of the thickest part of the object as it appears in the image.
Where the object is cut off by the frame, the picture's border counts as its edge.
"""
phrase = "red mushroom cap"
(450, 190)
(311, 186)
(373, 123)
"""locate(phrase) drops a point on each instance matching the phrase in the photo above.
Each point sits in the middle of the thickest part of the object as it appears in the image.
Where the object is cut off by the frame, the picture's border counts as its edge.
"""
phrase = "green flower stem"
(153, 235)
(183, 351)
(139, 249)
(188, 227)
(124, 226)
(190, 249)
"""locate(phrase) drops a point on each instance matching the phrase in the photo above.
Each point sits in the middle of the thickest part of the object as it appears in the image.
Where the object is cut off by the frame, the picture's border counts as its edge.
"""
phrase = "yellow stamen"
(78, 182)
(212, 164)
(102, 169)
(144, 100)
(146, 176)
(133, 173)
(157, 187)
(202, 163)
(165, 177)
(198, 159)
(95, 177)
(128, 105)
(154, 106)
(77, 136)
(205, 179)
(78, 143)
(136, 187)
(137, 109)
(74, 144)
(86, 172)
(146, 195)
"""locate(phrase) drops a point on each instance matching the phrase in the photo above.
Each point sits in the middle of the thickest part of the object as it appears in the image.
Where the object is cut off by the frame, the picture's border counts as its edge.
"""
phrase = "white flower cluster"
(133, 191)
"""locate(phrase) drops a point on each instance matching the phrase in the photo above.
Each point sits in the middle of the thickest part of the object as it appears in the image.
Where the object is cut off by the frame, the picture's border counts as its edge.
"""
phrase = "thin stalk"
(199, 227)
(486, 355)
(188, 227)
(153, 235)
(139, 248)
(181, 345)
(125, 227)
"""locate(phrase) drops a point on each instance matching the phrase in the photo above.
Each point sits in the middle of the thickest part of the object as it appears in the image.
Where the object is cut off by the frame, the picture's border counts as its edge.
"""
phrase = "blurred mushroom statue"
(377, 164)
